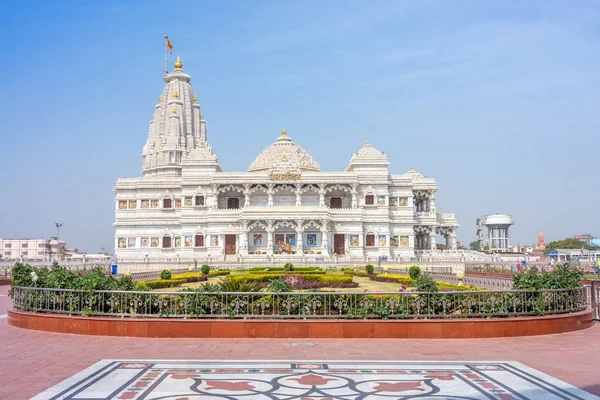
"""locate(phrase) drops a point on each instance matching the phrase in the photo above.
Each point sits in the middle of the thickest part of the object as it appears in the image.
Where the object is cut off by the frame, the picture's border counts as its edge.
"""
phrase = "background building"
(31, 249)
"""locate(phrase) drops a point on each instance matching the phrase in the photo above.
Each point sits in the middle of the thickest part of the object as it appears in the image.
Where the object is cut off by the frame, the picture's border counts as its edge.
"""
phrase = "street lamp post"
(58, 225)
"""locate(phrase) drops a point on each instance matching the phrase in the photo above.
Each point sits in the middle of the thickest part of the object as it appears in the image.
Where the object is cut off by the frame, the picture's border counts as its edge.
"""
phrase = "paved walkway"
(31, 361)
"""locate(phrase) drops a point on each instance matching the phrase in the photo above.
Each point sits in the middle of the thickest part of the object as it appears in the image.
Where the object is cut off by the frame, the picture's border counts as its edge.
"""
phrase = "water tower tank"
(497, 226)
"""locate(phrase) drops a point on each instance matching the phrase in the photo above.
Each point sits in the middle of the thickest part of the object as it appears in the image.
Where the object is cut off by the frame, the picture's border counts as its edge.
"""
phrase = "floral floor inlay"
(314, 380)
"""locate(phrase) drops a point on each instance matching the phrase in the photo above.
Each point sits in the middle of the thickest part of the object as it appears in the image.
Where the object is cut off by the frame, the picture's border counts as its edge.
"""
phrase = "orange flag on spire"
(170, 46)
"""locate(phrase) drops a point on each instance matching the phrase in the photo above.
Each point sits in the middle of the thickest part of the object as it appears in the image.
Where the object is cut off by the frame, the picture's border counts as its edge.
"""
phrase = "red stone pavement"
(32, 361)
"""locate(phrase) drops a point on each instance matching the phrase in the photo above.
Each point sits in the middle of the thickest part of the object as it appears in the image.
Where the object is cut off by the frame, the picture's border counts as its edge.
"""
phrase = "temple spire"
(178, 63)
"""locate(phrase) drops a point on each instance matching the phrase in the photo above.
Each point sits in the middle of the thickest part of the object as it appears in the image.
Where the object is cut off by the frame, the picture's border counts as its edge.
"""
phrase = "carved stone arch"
(167, 194)
(287, 224)
(256, 188)
(370, 230)
(228, 188)
(315, 224)
(257, 224)
(200, 191)
(200, 231)
(309, 187)
(344, 188)
(284, 187)
(369, 190)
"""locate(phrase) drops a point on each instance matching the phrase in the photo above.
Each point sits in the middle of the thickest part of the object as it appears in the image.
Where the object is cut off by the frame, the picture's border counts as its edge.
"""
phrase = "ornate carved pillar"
(246, 195)
(215, 195)
(270, 236)
(270, 187)
(432, 239)
(324, 234)
(453, 239)
(431, 203)
(322, 187)
(244, 239)
(354, 196)
(299, 232)
(298, 192)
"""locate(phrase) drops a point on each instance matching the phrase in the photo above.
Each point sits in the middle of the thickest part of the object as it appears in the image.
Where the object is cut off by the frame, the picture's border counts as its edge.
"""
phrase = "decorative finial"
(173, 111)
(201, 116)
(367, 142)
(160, 99)
(283, 132)
(412, 168)
(284, 156)
(178, 63)
(195, 99)
(175, 94)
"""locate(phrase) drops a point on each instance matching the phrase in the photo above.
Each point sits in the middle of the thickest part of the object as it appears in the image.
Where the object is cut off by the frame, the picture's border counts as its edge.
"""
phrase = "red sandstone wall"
(208, 328)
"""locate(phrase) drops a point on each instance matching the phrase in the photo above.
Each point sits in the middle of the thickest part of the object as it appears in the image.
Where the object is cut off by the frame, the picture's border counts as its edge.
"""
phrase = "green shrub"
(278, 285)
(563, 277)
(414, 272)
(165, 274)
(370, 269)
(205, 269)
(234, 284)
(288, 267)
(424, 283)
(221, 272)
(164, 283)
(205, 288)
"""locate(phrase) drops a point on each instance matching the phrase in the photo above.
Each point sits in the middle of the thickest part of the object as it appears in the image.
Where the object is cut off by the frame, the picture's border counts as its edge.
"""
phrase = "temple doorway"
(338, 244)
(230, 244)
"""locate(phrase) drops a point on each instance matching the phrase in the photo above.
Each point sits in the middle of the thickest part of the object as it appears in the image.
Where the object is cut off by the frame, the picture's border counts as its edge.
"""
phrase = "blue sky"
(497, 100)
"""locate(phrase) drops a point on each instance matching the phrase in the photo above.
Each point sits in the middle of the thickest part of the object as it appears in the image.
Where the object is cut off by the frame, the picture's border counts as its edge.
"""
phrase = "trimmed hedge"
(164, 283)
(447, 287)
(402, 279)
(281, 273)
(191, 276)
(355, 273)
(280, 269)
(220, 272)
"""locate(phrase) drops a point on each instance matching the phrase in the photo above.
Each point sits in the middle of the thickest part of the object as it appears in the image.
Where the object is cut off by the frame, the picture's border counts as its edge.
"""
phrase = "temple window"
(370, 240)
(199, 200)
(369, 200)
(172, 156)
(335, 202)
(167, 203)
(199, 241)
(166, 242)
(233, 203)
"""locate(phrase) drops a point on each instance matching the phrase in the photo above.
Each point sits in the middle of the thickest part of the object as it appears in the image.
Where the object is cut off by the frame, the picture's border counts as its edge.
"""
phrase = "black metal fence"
(300, 305)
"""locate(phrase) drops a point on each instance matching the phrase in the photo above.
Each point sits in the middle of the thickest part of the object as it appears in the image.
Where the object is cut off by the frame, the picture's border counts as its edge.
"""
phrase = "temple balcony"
(425, 218)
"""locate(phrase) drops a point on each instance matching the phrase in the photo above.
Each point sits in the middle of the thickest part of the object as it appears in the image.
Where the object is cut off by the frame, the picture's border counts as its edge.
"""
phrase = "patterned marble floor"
(311, 380)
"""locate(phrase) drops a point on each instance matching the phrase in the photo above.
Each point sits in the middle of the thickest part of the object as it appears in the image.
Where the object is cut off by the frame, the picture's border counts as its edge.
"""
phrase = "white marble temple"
(186, 206)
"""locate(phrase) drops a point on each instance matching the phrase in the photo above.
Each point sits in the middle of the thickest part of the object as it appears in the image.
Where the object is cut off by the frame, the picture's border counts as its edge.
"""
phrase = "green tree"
(568, 243)
(474, 245)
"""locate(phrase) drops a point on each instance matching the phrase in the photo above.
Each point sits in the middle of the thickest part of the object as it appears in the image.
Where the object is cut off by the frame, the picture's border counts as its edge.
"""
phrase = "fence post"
(594, 299)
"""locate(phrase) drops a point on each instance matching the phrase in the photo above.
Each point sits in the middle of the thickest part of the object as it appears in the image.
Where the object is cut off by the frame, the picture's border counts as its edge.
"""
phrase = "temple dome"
(367, 157)
(284, 152)
(368, 152)
(414, 174)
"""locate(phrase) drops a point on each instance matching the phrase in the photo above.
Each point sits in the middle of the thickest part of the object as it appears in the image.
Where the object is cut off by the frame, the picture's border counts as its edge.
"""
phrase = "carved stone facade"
(184, 205)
